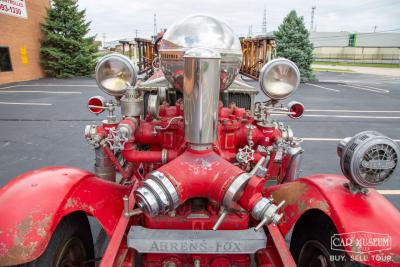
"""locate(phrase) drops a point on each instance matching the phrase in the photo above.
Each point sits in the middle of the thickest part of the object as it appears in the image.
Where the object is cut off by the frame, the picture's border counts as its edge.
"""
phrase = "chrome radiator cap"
(200, 31)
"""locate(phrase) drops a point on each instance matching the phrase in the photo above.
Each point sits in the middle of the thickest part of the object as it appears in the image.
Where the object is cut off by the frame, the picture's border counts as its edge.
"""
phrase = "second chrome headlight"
(279, 78)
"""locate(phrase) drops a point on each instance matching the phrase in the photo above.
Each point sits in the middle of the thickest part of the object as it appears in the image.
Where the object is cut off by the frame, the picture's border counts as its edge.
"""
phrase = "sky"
(119, 19)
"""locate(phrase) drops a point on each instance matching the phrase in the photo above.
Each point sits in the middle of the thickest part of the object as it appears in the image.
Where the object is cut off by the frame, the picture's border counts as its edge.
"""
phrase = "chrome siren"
(200, 31)
(368, 158)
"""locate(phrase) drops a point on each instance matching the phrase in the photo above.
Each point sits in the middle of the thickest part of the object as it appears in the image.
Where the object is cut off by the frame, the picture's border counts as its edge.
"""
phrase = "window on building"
(5, 59)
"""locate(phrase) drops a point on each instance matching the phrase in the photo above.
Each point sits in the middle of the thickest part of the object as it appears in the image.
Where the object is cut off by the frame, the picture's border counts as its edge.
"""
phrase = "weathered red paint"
(117, 244)
(36, 201)
(279, 242)
(349, 212)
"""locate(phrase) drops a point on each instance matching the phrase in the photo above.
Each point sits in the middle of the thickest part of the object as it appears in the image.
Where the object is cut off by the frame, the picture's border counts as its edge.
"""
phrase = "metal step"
(146, 240)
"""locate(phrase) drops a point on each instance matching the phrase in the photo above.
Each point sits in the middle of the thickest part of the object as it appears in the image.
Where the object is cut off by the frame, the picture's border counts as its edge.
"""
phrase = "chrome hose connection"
(157, 195)
(266, 212)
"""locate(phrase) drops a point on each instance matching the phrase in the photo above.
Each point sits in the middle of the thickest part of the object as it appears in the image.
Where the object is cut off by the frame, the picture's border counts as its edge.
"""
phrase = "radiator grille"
(241, 100)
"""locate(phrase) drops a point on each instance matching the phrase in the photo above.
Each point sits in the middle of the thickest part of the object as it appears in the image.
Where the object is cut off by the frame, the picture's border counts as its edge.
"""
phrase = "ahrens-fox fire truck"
(193, 172)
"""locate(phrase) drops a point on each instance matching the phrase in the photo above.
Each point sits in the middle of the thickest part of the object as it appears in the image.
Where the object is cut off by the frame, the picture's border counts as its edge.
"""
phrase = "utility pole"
(264, 22)
(250, 31)
(155, 26)
(312, 18)
(375, 28)
(136, 33)
(104, 40)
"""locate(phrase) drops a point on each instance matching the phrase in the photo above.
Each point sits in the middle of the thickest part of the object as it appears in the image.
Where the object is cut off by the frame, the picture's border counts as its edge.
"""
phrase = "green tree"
(65, 50)
(292, 42)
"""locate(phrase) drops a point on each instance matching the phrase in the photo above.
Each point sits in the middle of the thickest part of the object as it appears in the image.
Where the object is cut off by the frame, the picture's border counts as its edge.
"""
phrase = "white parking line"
(323, 139)
(349, 116)
(376, 88)
(366, 88)
(325, 88)
(43, 92)
(49, 85)
(353, 111)
(350, 81)
(320, 139)
(26, 104)
(389, 192)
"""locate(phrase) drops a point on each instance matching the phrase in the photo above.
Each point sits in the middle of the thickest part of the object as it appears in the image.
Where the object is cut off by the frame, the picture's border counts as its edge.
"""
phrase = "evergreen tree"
(292, 42)
(65, 50)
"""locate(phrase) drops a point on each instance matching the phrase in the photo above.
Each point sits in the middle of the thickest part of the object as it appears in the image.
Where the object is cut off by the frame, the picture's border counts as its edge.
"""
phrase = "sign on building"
(15, 8)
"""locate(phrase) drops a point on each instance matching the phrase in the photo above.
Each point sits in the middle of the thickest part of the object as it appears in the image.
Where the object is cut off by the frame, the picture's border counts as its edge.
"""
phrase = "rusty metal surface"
(36, 201)
(256, 53)
(351, 213)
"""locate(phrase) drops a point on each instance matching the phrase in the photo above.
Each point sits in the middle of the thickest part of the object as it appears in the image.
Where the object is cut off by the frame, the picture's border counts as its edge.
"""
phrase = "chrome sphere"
(205, 32)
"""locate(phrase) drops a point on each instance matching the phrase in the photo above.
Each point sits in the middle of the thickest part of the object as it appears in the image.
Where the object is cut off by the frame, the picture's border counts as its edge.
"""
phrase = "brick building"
(20, 39)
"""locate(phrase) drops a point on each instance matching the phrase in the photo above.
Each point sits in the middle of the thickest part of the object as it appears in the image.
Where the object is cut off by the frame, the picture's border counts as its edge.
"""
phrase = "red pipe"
(200, 174)
(137, 156)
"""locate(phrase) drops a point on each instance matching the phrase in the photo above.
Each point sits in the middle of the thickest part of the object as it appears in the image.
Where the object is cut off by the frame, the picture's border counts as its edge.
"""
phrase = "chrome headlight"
(115, 73)
(279, 78)
(368, 158)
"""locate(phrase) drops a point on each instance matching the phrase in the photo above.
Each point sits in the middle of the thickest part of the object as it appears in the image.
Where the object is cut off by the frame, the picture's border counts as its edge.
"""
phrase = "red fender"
(33, 204)
(351, 213)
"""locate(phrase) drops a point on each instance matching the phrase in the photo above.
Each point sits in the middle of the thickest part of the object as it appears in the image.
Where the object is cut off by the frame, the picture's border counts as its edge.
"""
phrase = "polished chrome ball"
(205, 32)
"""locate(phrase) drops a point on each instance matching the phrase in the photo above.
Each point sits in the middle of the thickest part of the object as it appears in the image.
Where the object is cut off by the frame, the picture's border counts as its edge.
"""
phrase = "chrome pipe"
(201, 95)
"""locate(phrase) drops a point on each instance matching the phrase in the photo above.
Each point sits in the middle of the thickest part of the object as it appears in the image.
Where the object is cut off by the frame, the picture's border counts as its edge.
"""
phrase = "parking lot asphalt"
(42, 121)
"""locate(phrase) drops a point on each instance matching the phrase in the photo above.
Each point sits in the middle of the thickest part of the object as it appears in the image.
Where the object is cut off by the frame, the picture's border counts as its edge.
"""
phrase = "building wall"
(389, 39)
(363, 39)
(329, 38)
(358, 54)
(23, 35)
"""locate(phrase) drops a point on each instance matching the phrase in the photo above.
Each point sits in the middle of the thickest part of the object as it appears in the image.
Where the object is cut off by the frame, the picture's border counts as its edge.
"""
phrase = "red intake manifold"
(193, 174)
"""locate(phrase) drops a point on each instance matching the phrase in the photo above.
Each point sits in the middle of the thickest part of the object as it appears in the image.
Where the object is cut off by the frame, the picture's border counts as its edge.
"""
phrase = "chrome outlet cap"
(157, 195)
